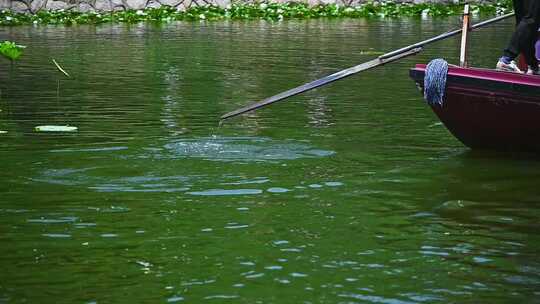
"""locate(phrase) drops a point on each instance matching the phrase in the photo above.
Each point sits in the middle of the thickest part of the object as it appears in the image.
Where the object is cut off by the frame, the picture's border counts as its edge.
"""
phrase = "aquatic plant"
(10, 50)
(263, 10)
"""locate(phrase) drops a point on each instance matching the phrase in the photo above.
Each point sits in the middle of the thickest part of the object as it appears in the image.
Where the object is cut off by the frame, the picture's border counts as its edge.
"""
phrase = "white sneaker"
(508, 67)
(531, 71)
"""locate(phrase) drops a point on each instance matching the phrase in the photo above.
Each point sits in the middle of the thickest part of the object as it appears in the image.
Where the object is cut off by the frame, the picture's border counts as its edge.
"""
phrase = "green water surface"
(352, 193)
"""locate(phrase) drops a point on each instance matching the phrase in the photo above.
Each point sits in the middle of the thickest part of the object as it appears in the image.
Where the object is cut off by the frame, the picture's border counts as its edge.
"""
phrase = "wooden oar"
(320, 82)
(385, 58)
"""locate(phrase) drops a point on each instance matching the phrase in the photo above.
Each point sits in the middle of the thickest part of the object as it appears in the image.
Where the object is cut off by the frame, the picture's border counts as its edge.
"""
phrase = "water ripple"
(243, 148)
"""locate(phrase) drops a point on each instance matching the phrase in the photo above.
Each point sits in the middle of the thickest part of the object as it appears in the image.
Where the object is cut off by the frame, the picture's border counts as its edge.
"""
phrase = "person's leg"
(513, 48)
(506, 62)
(524, 37)
(519, 10)
(529, 26)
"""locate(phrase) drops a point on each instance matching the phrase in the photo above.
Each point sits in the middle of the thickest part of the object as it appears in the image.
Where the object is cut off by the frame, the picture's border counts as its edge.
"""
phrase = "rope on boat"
(435, 81)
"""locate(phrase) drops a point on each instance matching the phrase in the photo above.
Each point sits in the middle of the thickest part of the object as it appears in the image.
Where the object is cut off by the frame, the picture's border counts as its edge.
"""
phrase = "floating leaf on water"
(10, 50)
(56, 129)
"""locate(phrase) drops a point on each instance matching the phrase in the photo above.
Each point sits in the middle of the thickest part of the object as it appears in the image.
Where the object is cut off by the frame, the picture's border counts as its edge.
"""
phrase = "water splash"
(243, 148)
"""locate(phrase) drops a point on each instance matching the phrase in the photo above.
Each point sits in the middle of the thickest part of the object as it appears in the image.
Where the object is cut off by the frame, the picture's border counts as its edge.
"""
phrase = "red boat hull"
(487, 109)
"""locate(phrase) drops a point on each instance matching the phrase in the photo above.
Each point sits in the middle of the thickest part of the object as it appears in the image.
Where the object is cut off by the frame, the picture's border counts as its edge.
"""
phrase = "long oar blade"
(320, 82)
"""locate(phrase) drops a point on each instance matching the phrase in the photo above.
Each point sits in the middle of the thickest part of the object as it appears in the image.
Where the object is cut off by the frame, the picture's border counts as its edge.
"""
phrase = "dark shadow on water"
(488, 190)
(477, 154)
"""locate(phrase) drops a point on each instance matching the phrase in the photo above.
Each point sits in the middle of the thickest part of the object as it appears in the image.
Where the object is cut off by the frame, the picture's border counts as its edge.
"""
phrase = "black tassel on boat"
(435, 81)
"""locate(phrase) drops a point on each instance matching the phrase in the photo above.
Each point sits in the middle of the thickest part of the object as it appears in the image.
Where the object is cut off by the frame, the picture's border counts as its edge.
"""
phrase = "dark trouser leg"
(525, 34)
(518, 10)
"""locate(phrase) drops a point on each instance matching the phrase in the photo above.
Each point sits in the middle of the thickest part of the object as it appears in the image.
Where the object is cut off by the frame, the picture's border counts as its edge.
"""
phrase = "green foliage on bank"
(268, 11)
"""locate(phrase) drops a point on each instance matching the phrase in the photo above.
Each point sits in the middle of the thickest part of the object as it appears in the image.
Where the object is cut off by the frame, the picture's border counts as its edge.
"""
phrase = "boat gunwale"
(489, 82)
(489, 74)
